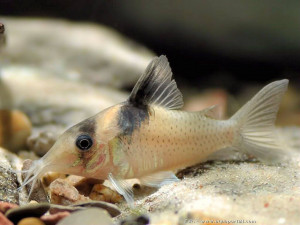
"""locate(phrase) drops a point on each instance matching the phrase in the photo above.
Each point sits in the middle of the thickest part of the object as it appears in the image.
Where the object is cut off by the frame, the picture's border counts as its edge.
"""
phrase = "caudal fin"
(256, 133)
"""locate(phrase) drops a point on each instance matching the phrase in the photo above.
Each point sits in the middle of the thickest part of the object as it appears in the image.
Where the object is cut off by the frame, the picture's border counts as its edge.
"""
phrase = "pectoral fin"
(159, 179)
(122, 188)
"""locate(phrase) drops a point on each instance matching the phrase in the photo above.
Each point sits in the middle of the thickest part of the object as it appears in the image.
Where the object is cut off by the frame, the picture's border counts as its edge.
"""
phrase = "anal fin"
(159, 179)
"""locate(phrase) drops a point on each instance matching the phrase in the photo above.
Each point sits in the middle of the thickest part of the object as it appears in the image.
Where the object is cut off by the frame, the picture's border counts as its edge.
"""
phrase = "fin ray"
(122, 188)
(255, 123)
(159, 179)
(156, 86)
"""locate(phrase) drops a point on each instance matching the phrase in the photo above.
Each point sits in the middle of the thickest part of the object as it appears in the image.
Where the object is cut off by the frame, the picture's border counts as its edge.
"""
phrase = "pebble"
(15, 128)
(65, 194)
(41, 142)
(5, 206)
(53, 219)
(49, 177)
(38, 193)
(92, 216)
(82, 184)
(31, 221)
(29, 210)
(102, 193)
(112, 209)
(4, 220)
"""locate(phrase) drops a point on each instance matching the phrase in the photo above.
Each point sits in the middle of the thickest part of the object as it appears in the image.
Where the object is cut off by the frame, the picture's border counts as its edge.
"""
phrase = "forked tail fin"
(256, 133)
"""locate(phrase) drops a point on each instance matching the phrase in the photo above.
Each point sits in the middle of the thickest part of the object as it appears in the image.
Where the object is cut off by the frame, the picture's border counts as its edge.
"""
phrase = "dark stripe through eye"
(84, 142)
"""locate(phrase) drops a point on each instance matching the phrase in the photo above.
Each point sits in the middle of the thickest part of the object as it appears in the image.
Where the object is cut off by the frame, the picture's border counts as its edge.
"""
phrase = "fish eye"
(84, 142)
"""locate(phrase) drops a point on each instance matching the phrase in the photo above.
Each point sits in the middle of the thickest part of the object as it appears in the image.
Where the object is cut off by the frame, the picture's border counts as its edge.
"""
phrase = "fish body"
(148, 136)
(172, 139)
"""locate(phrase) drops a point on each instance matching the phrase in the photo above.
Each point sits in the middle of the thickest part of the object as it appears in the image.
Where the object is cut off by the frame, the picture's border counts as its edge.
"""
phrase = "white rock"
(91, 216)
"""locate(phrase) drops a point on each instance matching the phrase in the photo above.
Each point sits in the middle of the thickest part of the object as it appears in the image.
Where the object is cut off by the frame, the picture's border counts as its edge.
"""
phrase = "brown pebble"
(4, 206)
(30, 210)
(53, 219)
(15, 128)
(31, 221)
(82, 184)
(4, 220)
(102, 193)
(86, 185)
(65, 194)
(48, 178)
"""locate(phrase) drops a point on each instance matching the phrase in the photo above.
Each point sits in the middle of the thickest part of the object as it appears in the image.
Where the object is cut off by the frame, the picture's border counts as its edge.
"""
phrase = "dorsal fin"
(157, 87)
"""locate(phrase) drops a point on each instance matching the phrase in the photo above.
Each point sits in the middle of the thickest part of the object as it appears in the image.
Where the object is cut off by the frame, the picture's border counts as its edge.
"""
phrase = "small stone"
(33, 202)
(5, 206)
(53, 219)
(82, 184)
(92, 216)
(29, 210)
(102, 193)
(65, 194)
(48, 178)
(38, 193)
(41, 142)
(15, 128)
(112, 209)
(31, 221)
(4, 220)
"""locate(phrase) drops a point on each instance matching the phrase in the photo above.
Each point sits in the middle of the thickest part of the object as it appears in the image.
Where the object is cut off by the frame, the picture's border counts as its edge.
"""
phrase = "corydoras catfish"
(148, 136)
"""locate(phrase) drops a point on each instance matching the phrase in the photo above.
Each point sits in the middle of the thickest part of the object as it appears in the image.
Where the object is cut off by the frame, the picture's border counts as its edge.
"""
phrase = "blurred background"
(221, 52)
(209, 43)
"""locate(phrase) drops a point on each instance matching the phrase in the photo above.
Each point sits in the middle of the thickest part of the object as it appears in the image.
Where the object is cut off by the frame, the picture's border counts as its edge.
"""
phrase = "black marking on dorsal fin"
(157, 87)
